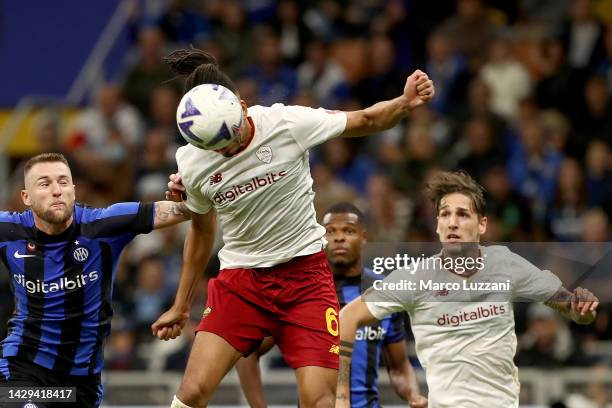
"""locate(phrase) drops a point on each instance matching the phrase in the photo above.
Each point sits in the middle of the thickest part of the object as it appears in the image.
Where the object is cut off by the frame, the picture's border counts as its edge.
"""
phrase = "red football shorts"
(294, 302)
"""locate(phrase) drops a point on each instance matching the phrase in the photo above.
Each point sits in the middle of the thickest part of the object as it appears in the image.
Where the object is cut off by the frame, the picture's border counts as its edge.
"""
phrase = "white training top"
(263, 195)
(465, 339)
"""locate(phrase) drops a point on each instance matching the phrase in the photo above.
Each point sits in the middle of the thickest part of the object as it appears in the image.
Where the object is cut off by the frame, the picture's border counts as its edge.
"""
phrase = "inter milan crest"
(264, 153)
(80, 254)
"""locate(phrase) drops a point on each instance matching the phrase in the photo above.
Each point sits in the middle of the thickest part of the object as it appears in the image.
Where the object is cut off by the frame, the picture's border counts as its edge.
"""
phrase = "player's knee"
(194, 394)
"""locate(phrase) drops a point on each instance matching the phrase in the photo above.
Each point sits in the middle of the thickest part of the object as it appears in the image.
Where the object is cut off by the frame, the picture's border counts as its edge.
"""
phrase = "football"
(209, 116)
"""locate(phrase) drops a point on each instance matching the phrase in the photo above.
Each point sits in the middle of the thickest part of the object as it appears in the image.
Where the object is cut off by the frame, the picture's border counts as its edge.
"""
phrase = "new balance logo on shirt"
(216, 178)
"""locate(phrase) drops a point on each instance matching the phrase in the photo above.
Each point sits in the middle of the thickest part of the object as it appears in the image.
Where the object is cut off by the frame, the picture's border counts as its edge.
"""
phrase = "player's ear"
(244, 105)
(25, 197)
(482, 225)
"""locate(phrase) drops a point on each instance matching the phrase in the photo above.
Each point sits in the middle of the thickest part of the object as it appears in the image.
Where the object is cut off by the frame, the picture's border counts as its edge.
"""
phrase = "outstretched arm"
(353, 315)
(402, 374)
(419, 90)
(196, 251)
(579, 306)
(168, 213)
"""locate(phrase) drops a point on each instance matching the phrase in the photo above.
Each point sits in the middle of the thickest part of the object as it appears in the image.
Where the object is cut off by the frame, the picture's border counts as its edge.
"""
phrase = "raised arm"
(196, 251)
(353, 315)
(402, 374)
(168, 213)
(419, 90)
(579, 306)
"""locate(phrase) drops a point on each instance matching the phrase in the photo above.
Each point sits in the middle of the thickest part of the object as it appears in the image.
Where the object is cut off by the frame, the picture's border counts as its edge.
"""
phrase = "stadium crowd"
(523, 103)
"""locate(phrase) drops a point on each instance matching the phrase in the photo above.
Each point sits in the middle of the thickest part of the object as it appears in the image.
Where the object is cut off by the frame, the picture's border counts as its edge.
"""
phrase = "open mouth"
(453, 237)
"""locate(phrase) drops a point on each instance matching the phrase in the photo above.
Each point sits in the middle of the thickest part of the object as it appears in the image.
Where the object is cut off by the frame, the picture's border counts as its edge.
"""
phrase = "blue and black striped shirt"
(369, 341)
(62, 284)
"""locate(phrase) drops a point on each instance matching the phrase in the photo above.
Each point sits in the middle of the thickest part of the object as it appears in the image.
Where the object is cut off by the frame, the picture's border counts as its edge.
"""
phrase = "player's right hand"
(176, 189)
(170, 324)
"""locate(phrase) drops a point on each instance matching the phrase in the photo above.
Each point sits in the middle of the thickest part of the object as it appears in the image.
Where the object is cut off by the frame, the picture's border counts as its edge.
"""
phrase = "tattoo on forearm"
(344, 374)
(181, 210)
(342, 397)
(560, 307)
(167, 211)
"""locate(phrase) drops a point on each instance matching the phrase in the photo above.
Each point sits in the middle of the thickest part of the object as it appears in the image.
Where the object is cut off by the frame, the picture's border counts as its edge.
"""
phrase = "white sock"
(176, 403)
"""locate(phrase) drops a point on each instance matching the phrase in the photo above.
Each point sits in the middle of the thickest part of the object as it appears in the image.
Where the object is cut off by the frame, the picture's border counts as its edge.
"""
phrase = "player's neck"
(52, 228)
(247, 136)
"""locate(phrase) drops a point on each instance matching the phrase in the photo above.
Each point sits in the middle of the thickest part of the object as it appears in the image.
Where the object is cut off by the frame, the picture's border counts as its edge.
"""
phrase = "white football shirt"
(263, 195)
(465, 340)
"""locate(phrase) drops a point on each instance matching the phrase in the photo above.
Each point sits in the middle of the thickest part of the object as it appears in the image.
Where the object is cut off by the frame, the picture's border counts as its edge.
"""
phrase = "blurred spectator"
(276, 81)
(604, 66)
(330, 190)
(249, 91)
(557, 129)
(323, 76)
(595, 121)
(481, 151)
(234, 39)
(548, 341)
(292, 31)
(479, 105)
(151, 298)
(533, 167)
(49, 131)
(565, 216)
(511, 210)
(103, 140)
(95, 126)
(353, 169)
(121, 353)
(164, 101)
(598, 173)
(473, 30)
(183, 26)
(395, 24)
(548, 12)
(446, 68)
(420, 154)
(582, 35)
(596, 227)
(148, 72)
(383, 80)
(508, 80)
(389, 213)
(156, 163)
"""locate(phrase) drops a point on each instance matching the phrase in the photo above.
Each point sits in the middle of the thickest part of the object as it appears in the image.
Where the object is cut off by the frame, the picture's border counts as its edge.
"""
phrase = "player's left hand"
(583, 301)
(418, 401)
(419, 89)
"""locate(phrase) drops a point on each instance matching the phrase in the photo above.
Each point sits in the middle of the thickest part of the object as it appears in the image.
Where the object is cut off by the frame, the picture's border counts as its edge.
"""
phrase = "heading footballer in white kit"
(263, 196)
(465, 339)
(275, 279)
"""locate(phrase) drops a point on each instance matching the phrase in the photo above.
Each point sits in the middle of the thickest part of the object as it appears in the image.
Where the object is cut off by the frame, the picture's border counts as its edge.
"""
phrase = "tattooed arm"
(579, 305)
(168, 213)
(352, 316)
